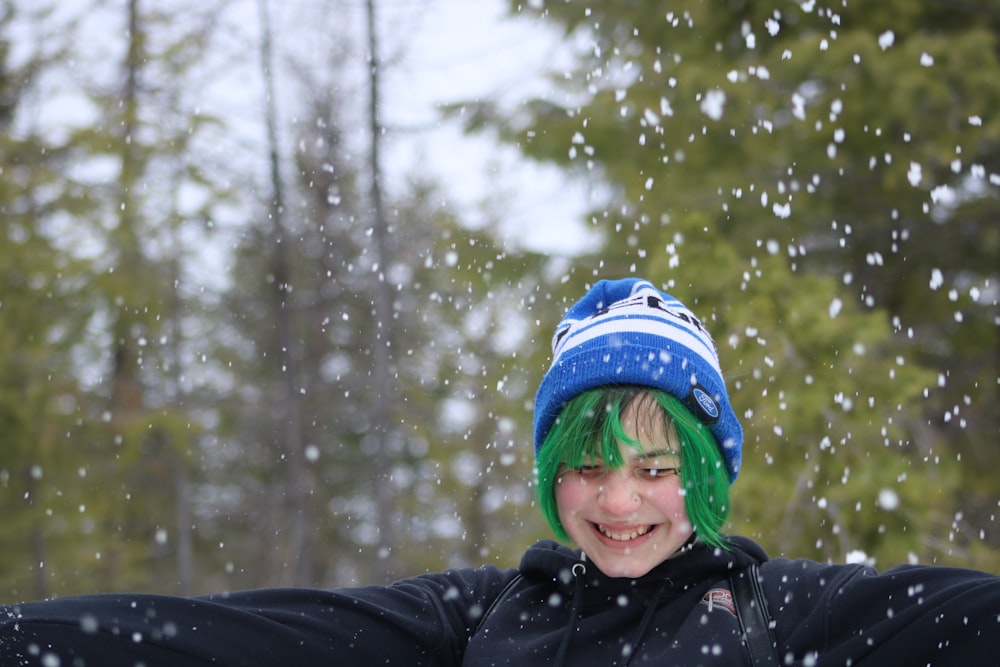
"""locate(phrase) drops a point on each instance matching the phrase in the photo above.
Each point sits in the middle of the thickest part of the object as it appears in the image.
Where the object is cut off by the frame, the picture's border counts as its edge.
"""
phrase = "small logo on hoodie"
(719, 597)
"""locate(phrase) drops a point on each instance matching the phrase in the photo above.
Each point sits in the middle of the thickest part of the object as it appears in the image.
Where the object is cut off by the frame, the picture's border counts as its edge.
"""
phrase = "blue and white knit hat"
(626, 332)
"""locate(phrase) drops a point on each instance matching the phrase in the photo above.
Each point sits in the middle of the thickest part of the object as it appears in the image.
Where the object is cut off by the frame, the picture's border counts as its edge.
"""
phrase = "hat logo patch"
(706, 404)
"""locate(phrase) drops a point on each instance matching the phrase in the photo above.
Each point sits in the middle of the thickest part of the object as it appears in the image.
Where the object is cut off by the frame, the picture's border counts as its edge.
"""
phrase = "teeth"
(623, 537)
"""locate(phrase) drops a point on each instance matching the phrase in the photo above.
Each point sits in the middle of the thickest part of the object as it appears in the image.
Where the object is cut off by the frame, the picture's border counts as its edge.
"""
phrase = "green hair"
(590, 426)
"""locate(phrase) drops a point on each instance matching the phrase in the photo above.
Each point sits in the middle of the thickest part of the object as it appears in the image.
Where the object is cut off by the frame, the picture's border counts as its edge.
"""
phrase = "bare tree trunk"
(126, 390)
(296, 488)
(175, 453)
(185, 543)
(38, 552)
(127, 395)
(382, 361)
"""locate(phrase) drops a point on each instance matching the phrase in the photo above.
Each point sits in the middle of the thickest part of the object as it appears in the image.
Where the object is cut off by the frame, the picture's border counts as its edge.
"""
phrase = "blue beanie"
(626, 332)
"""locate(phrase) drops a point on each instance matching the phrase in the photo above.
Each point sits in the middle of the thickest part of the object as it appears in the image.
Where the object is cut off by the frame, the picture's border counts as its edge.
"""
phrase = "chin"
(627, 571)
(623, 566)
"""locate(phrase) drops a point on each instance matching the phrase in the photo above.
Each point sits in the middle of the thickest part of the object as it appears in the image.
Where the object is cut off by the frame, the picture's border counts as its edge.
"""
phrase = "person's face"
(631, 519)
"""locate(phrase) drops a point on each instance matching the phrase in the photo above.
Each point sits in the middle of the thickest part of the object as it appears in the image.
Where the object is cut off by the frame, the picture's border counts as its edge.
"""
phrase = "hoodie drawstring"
(647, 618)
(578, 570)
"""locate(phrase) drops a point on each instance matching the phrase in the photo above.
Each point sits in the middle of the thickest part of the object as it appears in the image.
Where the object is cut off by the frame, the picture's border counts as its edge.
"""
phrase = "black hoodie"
(563, 611)
(570, 613)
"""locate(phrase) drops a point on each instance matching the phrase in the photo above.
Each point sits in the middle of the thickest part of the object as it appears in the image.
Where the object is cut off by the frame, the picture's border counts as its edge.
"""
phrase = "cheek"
(571, 494)
(672, 503)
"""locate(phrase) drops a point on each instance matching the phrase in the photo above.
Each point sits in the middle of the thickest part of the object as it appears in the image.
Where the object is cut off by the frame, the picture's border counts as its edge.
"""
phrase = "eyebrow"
(655, 455)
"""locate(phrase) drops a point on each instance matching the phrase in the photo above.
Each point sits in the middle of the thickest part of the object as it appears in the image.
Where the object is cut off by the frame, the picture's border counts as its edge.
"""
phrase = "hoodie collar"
(694, 564)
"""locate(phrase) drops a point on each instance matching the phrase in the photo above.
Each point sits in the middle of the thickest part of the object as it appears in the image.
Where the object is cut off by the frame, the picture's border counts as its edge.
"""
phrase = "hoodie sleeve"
(908, 615)
(424, 621)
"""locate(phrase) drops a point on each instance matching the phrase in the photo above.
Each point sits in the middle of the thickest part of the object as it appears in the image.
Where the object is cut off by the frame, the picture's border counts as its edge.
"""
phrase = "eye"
(657, 473)
(590, 471)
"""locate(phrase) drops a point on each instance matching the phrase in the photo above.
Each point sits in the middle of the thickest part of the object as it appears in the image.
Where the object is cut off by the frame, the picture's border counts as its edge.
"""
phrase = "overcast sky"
(436, 52)
(455, 50)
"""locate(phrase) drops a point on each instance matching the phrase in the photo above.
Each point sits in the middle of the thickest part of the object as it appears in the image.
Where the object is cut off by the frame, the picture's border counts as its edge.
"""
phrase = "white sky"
(437, 52)
(459, 50)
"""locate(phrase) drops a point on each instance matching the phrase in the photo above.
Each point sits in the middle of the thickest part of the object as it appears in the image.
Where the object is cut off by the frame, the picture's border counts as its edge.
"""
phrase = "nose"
(618, 494)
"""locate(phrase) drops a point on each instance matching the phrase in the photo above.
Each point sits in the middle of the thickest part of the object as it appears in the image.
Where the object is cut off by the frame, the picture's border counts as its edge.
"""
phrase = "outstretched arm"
(419, 621)
(908, 615)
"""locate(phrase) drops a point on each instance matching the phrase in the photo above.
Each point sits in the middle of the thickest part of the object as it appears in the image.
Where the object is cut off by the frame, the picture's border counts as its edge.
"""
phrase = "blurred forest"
(232, 355)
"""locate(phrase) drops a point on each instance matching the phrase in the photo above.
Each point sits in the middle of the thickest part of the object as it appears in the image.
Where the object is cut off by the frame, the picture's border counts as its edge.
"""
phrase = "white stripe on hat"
(640, 320)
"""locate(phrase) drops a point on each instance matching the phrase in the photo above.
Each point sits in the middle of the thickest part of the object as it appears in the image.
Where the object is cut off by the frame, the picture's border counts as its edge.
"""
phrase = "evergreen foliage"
(822, 181)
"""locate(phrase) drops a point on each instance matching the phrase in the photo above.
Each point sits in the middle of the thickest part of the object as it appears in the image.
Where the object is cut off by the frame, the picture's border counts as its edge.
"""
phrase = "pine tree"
(804, 172)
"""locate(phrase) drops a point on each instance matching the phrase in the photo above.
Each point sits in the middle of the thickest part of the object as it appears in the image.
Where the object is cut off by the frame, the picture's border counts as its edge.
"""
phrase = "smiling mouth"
(622, 535)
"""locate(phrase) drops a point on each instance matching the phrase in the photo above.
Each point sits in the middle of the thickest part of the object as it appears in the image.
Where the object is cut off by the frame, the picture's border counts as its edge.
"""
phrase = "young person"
(636, 447)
